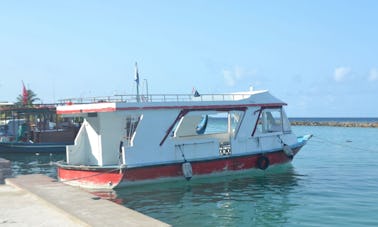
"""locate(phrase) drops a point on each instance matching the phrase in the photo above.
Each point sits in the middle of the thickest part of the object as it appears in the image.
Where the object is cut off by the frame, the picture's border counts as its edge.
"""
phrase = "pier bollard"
(5, 170)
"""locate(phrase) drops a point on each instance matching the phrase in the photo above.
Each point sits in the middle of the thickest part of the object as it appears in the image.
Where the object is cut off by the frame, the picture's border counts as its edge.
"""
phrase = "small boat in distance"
(131, 139)
(34, 129)
(32, 148)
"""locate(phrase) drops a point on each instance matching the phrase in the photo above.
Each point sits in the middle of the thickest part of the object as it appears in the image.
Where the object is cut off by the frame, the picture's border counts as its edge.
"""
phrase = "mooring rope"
(319, 139)
(78, 178)
(182, 152)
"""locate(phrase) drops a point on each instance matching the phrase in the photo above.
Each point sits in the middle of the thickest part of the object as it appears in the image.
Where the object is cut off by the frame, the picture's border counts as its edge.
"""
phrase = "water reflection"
(33, 163)
(254, 198)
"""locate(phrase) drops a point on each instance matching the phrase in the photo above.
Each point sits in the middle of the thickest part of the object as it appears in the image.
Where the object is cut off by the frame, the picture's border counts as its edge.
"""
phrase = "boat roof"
(78, 106)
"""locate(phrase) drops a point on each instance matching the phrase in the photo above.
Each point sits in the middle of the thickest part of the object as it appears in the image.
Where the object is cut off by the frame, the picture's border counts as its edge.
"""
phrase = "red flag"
(24, 94)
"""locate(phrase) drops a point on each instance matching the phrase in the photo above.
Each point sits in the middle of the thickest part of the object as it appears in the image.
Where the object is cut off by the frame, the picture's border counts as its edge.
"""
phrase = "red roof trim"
(77, 111)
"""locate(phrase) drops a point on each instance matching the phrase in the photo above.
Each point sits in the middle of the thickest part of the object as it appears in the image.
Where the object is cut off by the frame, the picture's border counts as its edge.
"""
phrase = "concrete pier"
(52, 203)
(5, 169)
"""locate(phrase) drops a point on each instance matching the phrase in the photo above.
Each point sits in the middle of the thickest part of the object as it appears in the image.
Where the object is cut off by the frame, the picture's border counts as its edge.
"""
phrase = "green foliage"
(31, 98)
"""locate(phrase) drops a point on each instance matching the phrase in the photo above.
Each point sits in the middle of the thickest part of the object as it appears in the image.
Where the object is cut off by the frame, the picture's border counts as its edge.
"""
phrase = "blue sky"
(318, 56)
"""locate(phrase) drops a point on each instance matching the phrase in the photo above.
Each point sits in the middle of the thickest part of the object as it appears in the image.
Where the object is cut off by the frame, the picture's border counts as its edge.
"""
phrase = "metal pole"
(145, 80)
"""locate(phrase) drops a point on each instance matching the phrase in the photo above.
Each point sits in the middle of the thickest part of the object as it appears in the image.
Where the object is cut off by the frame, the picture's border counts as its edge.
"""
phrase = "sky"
(320, 57)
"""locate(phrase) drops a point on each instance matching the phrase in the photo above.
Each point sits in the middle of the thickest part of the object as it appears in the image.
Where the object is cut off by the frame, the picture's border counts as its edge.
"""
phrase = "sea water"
(33, 163)
(333, 181)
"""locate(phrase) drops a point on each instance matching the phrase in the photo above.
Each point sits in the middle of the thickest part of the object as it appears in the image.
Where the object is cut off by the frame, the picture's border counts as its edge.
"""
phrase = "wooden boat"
(126, 139)
(26, 130)
(25, 147)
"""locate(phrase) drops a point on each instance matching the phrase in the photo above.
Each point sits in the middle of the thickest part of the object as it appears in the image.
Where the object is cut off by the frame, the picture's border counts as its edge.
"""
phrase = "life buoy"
(263, 162)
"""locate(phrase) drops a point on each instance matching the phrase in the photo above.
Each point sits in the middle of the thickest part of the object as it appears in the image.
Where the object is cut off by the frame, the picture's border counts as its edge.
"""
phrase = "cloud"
(373, 75)
(233, 76)
(340, 73)
(229, 78)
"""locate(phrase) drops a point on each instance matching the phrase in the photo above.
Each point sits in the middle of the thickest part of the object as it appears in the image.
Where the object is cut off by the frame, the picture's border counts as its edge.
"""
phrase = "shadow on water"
(254, 197)
(33, 163)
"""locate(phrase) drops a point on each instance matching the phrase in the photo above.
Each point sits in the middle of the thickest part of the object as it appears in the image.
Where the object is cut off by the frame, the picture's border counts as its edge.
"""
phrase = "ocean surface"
(333, 181)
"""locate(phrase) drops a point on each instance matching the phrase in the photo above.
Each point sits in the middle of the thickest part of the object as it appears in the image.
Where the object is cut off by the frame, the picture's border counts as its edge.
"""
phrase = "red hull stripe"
(104, 177)
(207, 107)
(95, 177)
(204, 167)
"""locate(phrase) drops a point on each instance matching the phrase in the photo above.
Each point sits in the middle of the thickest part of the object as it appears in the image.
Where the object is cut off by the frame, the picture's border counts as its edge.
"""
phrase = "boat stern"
(93, 177)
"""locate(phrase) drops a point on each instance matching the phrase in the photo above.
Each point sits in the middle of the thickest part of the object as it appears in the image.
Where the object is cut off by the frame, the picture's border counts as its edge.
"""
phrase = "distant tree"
(26, 98)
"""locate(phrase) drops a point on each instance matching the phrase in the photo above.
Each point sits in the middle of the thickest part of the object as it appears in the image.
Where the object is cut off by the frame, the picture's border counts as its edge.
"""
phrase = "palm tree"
(31, 97)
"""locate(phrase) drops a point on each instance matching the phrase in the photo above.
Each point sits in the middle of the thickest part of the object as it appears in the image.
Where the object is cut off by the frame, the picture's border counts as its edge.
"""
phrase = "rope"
(182, 153)
(78, 178)
(321, 140)
(281, 141)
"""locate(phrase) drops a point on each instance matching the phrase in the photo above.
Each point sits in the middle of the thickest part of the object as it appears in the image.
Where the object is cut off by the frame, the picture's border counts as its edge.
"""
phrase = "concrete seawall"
(5, 169)
(71, 206)
(336, 124)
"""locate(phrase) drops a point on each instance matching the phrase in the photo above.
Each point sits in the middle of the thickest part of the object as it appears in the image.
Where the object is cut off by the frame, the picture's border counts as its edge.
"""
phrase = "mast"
(137, 81)
(146, 82)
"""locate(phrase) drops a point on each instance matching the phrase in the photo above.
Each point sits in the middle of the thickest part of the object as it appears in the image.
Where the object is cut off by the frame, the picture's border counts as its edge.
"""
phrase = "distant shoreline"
(335, 123)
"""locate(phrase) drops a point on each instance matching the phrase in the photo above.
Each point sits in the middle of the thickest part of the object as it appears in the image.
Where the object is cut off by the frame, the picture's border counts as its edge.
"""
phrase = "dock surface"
(38, 200)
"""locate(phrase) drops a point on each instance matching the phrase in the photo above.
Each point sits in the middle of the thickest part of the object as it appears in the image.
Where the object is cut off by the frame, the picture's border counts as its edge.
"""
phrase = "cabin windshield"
(272, 120)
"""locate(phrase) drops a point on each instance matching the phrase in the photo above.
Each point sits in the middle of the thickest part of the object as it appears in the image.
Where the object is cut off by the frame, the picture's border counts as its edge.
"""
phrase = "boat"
(29, 130)
(128, 139)
(33, 148)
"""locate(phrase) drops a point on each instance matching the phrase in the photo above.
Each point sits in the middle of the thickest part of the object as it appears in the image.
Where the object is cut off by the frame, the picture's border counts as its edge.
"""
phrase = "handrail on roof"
(157, 98)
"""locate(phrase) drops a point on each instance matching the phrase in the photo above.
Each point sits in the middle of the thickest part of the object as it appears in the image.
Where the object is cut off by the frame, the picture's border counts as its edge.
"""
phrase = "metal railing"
(157, 98)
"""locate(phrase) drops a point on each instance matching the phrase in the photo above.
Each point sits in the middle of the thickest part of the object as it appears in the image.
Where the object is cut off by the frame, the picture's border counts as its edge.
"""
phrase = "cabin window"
(285, 123)
(218, 123)
(130, 128)
(271, 120)
(225, 122)
(201, 123)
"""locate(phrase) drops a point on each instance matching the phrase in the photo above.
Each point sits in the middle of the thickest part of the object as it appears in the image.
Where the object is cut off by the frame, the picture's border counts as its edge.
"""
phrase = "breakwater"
(335, 124)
